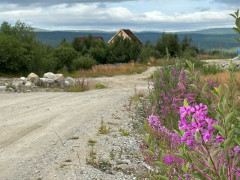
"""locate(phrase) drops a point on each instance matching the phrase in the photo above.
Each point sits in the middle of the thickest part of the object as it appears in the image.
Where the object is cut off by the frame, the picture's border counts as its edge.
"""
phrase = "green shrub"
(83, 62)
(64, 56)
(190, 53)
(147, 52)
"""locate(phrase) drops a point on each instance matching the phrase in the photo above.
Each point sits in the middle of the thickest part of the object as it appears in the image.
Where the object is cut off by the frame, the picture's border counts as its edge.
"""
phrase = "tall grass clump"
(211, 69)
(193, 131)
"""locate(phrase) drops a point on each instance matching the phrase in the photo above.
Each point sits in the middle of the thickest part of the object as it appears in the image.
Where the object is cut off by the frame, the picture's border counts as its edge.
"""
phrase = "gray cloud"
(95, 17)
(230, 2)
(52, 2)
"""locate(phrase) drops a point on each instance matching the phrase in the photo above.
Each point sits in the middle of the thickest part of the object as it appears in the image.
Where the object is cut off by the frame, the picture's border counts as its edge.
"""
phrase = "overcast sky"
(111, 15)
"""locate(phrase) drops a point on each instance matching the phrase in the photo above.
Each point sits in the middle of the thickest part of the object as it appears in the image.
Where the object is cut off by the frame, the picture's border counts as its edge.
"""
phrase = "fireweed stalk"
(170, 88)
(207, 146)
(204, 145)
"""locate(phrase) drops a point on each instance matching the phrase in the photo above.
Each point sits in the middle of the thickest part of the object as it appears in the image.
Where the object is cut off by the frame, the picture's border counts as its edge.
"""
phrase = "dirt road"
(35, 127)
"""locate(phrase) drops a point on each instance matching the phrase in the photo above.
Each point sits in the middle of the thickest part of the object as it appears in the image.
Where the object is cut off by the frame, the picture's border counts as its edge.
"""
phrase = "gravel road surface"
(36, 128)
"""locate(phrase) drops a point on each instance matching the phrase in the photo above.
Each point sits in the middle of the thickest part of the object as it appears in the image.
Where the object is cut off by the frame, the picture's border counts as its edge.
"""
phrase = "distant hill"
(214, 31)
(204, 39)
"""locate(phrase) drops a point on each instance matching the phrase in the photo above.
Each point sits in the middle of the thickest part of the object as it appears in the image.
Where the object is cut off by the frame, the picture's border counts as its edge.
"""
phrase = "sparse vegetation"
(112, 155)
(124, 132)
(103, 129)
(99, 86)
(74, 138)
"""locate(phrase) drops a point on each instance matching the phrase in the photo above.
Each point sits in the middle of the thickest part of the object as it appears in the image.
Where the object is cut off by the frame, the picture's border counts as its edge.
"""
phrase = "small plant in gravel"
(92, 155)
(124, 132)
(103, 128)
(74, 138)
(99, 86)
(91, 142)
(112, 155)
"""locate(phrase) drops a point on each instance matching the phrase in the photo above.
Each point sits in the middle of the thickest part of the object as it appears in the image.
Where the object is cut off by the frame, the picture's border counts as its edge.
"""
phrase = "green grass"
(210, 69)
(103, 128)
(99, 86)
(124, 132)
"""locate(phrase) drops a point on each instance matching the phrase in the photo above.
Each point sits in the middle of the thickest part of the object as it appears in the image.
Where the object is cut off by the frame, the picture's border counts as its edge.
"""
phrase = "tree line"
(21, 52)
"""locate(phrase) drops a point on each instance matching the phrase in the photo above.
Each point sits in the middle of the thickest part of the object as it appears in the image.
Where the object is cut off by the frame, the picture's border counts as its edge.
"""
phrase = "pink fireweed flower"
(199, 111)
(185, 111)
(154, 121)
(153, 108)
(199, 123)
(237, 149)
(207, 136)
(219, 139)
(210, 83)
(181, 81)
(183, 124)
(175, 71)
(168, 160)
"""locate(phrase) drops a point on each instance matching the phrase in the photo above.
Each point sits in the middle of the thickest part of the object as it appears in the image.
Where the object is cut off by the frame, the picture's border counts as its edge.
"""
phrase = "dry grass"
(83, 85)
(152, 61)
(221, 78)
(109, 70)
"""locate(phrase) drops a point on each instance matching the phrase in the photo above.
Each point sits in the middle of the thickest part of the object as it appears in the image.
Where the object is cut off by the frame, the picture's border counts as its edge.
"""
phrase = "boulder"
(3, 88)
(47, 82)
(23, 79)
(60, 80)
(59, 77)
(49, 75)
(29, 84)
(2, 83)
(66, 84)
(18, 83)
(32, 77)
(71, 81)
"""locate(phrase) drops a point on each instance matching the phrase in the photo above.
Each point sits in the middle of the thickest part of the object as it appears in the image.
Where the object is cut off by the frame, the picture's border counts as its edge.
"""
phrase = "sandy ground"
(34, 125)
(221, 61)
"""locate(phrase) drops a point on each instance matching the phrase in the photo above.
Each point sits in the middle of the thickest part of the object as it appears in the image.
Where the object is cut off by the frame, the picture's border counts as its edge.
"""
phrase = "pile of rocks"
(227, 66)
(33, 82)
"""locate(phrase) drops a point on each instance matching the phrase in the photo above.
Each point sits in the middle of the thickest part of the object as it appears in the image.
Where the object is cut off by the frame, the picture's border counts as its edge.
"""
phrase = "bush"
(83, 62)
(64, 56)
(190, 53)
(147, 52)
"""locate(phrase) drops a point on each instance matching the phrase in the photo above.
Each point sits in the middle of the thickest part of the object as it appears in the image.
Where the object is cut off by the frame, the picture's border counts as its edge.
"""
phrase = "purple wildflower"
(219, 139)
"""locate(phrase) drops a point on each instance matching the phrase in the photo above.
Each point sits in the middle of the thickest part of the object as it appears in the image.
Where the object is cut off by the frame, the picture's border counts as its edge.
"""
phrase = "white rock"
(17, 84)
(32, 77)
(66, 83)
(3, 88)
(28, 83)
(23, 79)
(70, 80)
(47, 81)
(49, 75)
(59, 77)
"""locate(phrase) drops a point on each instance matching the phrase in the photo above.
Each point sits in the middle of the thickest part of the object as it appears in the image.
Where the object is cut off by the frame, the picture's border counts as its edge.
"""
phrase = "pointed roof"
(128, 33)
(131, 35)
